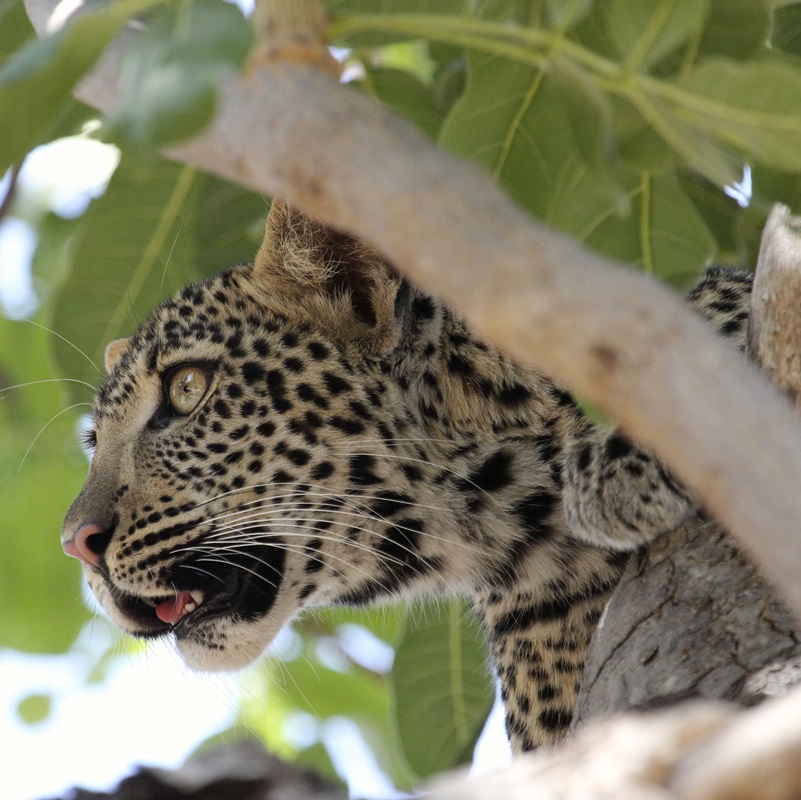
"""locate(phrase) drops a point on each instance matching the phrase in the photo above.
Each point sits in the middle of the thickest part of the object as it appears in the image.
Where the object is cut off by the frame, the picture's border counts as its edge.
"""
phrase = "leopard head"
(240, 438)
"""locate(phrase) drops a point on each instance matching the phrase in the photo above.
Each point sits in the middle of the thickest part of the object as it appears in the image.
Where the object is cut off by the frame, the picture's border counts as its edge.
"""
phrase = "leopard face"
(225, 491)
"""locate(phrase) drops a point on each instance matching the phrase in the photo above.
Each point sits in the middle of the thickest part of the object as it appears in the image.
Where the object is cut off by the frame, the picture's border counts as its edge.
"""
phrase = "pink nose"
(87, 545)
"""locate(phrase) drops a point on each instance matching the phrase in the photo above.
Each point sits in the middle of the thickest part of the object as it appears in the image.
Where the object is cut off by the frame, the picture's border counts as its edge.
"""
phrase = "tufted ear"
(327, 274)
(114, 352)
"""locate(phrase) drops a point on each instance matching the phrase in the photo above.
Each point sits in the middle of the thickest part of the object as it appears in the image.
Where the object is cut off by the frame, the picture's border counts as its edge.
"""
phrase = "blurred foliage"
(619, 122)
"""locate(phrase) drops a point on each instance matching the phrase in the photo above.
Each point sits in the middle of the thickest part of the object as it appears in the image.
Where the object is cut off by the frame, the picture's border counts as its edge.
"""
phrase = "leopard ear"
(325, 273)
(114, 352)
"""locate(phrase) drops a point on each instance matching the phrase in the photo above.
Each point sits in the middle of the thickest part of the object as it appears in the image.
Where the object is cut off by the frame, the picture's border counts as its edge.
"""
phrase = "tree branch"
(612, 335)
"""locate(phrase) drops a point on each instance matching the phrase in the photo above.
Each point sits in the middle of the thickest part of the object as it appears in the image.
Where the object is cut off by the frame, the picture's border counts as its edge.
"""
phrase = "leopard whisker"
(283, 546)
(66, 341)
(45, 380)
(321, 534)
(263, 513)
(45, 426)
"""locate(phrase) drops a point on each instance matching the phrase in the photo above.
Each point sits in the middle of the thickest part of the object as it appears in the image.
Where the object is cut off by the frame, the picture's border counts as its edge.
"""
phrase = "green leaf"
(589, 114)
(514, 120)
(752, 108)
(171, 71)
(346, 8)
(41, 471)
(722, 216)
(645, 31)
(37, 81)
(443, 692)
(735, 28)
(35, 708)
(133, 248)
(388, 622)
(564, 14)
(407, 96)
(786, 29)
(307, 684)
(227, 224)
(15, 28)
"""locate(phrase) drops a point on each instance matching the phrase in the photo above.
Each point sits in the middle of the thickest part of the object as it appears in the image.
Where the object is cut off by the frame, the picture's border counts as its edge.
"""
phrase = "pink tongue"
(170, 611)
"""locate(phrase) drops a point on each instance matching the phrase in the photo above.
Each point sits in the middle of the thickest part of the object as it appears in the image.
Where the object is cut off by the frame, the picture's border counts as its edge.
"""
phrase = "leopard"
(311, 430)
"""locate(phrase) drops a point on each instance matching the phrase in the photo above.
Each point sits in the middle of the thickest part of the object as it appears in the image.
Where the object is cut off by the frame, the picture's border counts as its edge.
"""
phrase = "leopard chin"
(210, 636)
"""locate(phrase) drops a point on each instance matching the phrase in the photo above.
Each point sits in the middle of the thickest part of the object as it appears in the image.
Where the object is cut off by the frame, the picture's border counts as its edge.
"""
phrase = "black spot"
(360, 409)
(731, 327)
(315, 562)
(322, 471)
(423, 307)
(252, 372)
(361, 470)
(317, 350)
(585, 456)
(520, 619)
(554, 719)
(266, 429)
(514, 395)
(261, 347)
(306, 591)
(222, 408)
(239, 432)
(533, 512)
(298, 456)
(412, 472)
(335, 384)
(617, 447)
(546, 692)
(293, 364)
(349, 426)
(309, 394)
(460, 365)
(278, 393)
(386, 504)
(494, 474)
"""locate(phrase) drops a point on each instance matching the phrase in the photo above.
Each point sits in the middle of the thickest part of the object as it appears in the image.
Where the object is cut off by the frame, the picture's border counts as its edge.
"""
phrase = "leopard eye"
(186, 387)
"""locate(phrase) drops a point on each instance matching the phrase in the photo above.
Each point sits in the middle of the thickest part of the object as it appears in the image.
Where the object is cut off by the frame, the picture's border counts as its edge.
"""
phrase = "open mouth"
(154, 616)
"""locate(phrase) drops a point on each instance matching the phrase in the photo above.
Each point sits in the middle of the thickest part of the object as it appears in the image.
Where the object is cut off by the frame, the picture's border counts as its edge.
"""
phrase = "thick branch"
(614, 336)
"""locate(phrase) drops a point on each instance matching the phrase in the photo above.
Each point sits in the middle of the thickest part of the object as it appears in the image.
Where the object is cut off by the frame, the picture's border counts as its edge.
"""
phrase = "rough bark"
(614, 336)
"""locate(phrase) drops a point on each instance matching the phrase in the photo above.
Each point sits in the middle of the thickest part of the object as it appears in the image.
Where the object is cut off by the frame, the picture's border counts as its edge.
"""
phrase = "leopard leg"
(619, 495)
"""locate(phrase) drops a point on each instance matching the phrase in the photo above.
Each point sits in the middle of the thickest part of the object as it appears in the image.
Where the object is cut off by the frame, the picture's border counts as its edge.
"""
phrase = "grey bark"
(691, 618)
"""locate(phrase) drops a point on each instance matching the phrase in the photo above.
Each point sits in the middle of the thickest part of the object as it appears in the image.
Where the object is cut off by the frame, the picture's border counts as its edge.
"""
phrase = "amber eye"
(186, 387)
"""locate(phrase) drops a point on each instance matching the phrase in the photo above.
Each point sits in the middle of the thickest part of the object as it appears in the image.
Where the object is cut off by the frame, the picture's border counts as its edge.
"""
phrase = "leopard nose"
(88, 544)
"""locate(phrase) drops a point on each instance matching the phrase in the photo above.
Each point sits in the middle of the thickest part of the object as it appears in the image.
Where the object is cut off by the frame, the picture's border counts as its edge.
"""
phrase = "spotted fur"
(354, 443)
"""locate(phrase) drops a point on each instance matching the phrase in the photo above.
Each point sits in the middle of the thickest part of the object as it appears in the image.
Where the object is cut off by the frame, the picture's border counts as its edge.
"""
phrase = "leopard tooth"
(197, 597)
